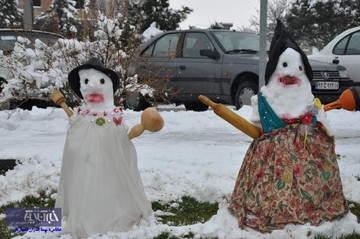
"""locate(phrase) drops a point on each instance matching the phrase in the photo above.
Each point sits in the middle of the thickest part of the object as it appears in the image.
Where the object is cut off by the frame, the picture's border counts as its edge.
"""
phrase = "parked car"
(221, 64)
(345, 50)
(8, 37)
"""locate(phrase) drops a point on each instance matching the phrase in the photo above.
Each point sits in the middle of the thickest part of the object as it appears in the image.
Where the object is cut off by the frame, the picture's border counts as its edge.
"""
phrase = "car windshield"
(238, 42)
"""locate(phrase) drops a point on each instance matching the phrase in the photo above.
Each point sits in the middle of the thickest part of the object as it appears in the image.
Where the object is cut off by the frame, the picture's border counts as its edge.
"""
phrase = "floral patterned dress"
(289, 175)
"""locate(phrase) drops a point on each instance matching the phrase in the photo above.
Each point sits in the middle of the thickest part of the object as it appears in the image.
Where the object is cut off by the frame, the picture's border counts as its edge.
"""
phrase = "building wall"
(37, 10)
(45, 4)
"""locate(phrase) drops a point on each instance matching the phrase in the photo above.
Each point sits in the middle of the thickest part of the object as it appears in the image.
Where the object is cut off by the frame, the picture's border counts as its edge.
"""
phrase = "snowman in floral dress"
(290, 173)
(100, 188)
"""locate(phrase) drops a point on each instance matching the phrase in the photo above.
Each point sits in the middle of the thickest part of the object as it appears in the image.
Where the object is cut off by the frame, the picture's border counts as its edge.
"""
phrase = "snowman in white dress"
(100, 188)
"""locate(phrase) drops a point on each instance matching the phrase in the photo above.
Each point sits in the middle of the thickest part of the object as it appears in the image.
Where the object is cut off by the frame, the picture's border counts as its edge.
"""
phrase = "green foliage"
(10, 16)
(5, 232)
(349, 236)
(353, 235)
(321, 236)
(355, 209)
(217, 25)
(318, 22)
(190, 235)
(167, 235)
(59, 18)
(140, 17)
(42, 200)
(186, 211)
(157, 11)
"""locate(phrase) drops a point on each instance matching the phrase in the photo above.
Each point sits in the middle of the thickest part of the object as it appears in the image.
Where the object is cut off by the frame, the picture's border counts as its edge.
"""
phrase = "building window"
(36, 3)
(79, 4)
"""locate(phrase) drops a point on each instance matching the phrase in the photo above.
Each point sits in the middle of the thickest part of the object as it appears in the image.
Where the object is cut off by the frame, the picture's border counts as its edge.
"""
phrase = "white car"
(345, 50)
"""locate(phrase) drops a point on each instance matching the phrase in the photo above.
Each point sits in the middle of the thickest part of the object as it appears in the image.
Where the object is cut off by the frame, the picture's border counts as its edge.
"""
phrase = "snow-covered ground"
(195, 154)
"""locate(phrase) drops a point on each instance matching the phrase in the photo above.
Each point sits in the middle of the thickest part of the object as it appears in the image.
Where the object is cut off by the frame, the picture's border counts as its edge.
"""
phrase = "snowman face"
(289, 90)
(96, 88)
(290, 70)
(289, 75)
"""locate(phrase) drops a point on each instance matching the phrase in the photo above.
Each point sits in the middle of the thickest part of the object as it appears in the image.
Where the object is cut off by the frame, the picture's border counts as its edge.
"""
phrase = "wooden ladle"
(59, 99)
(151, 120)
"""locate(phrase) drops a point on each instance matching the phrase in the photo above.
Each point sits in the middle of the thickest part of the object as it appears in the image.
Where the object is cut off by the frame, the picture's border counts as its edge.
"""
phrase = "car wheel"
(196, 106)
(244, 92)
(136, 101)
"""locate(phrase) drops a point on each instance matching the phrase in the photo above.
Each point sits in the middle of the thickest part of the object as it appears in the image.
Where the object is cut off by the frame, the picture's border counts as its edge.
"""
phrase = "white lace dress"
(100, 188)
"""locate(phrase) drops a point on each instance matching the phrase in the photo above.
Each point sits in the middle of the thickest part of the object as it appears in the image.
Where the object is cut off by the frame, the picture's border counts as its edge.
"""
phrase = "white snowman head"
(97, 89)
(288, 76)
(95, 84)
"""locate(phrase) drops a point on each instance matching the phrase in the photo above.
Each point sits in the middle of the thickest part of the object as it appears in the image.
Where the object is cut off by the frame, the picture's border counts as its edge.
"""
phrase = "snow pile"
(151, 31)
(195, 154)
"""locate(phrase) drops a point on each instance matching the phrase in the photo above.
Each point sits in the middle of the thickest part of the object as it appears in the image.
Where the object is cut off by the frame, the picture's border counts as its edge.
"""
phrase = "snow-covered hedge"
(39, 70)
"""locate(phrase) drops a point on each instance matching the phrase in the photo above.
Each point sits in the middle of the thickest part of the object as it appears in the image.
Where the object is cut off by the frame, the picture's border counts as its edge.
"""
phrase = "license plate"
(326, 85)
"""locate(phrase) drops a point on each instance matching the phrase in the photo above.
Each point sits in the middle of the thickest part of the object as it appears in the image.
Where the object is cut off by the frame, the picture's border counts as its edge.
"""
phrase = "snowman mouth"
(289, 80)
(94, 98)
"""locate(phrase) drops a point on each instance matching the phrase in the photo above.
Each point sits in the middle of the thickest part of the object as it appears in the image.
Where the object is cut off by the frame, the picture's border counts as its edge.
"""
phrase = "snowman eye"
(86, 81)
(102, 81)
(285, 64)
(300, 68)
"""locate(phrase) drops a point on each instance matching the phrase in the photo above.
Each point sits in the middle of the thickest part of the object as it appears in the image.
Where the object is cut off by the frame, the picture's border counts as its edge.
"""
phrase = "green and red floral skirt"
(290, 175)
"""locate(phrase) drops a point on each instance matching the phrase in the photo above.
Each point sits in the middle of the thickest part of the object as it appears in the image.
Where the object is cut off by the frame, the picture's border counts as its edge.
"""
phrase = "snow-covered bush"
(40, 69)
(34, 72)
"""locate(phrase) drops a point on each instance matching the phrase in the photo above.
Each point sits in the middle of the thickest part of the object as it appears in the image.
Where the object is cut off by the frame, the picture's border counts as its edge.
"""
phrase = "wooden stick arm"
(232, 118)
(207, 101)
(59, 99)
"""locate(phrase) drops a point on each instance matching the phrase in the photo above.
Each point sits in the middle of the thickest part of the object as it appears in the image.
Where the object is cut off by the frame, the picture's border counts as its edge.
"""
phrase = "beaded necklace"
(101, 117)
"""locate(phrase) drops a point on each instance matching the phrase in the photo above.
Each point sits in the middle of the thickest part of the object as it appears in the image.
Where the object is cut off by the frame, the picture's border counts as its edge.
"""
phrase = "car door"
(197, 74)
(160, 65)
(347, 52)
